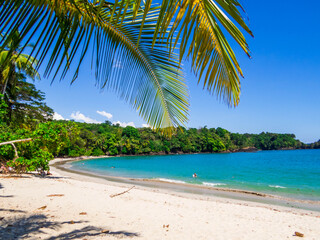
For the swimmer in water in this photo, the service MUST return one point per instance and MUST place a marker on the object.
(194, 175)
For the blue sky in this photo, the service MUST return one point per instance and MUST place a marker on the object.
(280, 91)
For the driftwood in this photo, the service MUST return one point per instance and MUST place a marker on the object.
(298, 234)
(118, 194)
(55, 195)
(14, 147)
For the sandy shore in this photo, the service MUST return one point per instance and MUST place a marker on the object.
(72, 206)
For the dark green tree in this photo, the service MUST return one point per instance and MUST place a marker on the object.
(25, 103)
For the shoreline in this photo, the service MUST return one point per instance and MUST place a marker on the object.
(227, 193)
(69, 205)
(242, 150)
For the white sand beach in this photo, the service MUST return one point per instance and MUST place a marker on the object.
(71, 206)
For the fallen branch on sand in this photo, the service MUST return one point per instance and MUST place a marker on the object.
(55, 195)
(115, 195)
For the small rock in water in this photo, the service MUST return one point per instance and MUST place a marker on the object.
(298, 234)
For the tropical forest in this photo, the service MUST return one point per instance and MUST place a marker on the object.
(25, 115)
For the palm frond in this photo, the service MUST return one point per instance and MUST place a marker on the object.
(196, 23)
(124, 56)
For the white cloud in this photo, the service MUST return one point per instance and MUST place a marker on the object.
(57, 116)
(105, 114)
(146, 125)
(123, 124)
(80, 117)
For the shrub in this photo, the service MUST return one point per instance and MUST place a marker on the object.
(97, 152)
(113, 151)
(39, 162)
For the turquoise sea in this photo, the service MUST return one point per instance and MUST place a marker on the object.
(294, 173)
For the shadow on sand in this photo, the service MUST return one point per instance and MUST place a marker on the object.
(29, 227)
(12, 210)
(48, 176)
(4, 196)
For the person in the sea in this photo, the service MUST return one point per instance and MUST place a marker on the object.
(194, 175)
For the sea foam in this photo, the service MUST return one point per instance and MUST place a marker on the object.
(170, 180)
(213, 184)
(276, 186)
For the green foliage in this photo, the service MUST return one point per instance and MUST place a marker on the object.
(130, 132)
(215, 145)
(15, 65)
(56, 136)
(68, 138)
(113, 151)
(100, 139)
(3, 109)
(33, 156)
(271, 141)
(25, 104)
(97, 152)
(315, 145)
(39, 162)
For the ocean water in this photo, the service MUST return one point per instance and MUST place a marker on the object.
(294, 174)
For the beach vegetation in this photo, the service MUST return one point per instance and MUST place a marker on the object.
(52, 138)
(3, 109)
(73, 139)
(25, 104)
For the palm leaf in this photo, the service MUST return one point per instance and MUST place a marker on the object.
(141, 71)
(196, 23)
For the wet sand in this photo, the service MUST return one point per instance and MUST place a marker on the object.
(64, 165)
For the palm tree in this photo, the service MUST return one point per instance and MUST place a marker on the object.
(13, 63)
(137, 49)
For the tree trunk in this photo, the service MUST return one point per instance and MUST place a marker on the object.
(16, 141)
(14, 147)
(5, 86)
(11, 76)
